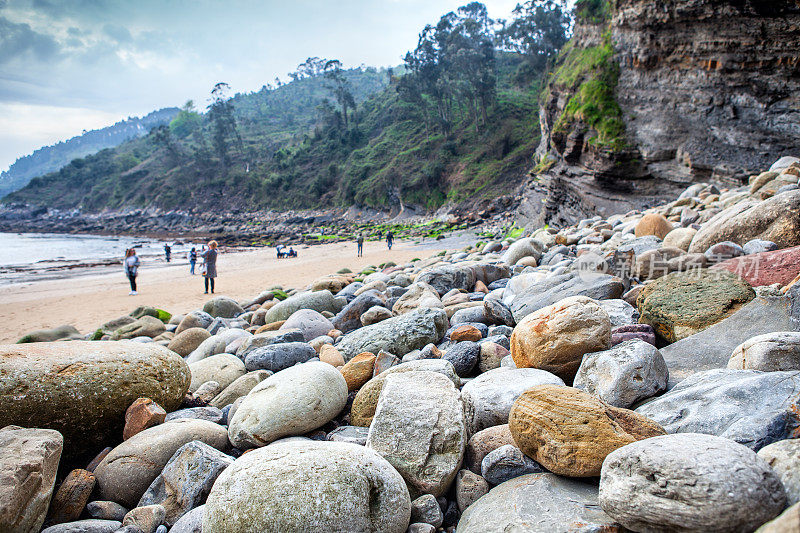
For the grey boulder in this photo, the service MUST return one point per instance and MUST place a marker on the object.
(507, 462)
(689, 482)
(277, 357)
(308, 486)
(749, 407)
(310, 323)
(627, 373)
(555, 288)
(537, 503)
(398, 335)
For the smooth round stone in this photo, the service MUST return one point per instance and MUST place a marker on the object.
(90, 525)
(310, 323)
(784, 458)
(488, 398)
(308, 486)
(223, 368)
(464, 356)
(83, 388)
(129, 469)
(507, 462)
(689, 482)
(290, 402)
(277, 357)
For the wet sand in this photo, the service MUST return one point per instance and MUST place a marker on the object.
(87, 300)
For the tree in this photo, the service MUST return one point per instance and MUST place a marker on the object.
(340, 87)
(223, 123)
(538, 30)
(186, 121)
(162, 135)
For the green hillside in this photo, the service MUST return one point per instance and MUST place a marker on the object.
(456, 120)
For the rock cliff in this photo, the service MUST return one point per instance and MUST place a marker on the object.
(651, 96)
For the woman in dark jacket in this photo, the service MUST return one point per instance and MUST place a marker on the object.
(210, 258)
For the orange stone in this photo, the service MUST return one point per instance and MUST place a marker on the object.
(466, 333)
(71, 497)
(358, 370)
(142, 414)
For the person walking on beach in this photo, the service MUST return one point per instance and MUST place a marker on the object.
(192, 259)
(360, 242)
(210, 260)
(389, 239)
(167, 251)
(131, 264)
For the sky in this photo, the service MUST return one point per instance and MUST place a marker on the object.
(70, 65)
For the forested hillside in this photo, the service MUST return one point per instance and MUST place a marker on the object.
(51, 158)
(457, 119)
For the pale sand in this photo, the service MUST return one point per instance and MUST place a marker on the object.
(86, 302)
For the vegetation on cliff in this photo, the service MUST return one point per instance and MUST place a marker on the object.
(457, 119)
(589, 75)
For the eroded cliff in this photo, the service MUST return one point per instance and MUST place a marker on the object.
(650, 96)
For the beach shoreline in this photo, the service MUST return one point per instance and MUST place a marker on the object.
(88, 297)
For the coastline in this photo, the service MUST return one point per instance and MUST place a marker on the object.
(86, 296)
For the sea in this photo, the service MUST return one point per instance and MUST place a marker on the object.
(28, 256)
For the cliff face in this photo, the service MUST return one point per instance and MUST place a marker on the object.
(707, 90)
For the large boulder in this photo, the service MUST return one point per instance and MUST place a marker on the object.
(398, 335)
(462, 276)
(653, 224)
(188, 340)
(308, 486)
(419, 295)
(186, 480)
(628, 373)
(750, 407)
(784, 459)
(349, 318)
(776, 219)
(28, 465)
(555, 288)
(290, 402)
(319, 301)
(223, 368)
(429, 451)
(765, 268)
(770, 352)
(557, 337)
(683, 303)
(488, 398)
(689, 482)
(52, 334)
(223, 307)
(127, 471)
(145, 326)
(538, 503)
(82, 389)
(570, 432)
(712, 347)
(521, 248)
(277, 357)
(366, 400)
(310, 323)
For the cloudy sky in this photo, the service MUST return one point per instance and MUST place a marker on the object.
(70, 65)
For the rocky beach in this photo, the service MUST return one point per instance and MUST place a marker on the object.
(633, 372)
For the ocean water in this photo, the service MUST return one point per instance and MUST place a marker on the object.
(27, 249)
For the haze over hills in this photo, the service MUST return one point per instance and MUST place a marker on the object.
(459, 118)
(50, 158)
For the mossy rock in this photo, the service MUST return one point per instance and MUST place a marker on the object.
(163, 316)
(279, 294)
(50, 335)
(684, 303)
(143, 310)
(344, 271)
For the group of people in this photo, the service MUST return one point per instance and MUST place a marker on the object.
(208, 267)
(360, 241)
(283, 252)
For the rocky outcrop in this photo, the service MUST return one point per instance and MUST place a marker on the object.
(706, 90)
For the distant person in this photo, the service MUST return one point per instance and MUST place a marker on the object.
(131, 264)
(291, 252)
(360, 242)
(389, 239)
(167, 251)
(279, 249)
(192, 259)
(210, 263)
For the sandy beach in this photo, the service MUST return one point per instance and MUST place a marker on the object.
(87, 300)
